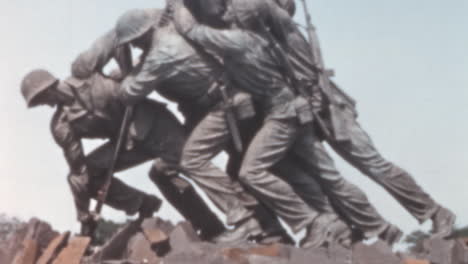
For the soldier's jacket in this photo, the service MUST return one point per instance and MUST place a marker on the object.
(249, 64)
(96, 112)
(250, 13)
(172, 67)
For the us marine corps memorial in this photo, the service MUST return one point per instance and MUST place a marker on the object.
(250, 83)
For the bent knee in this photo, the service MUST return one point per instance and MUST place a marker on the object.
(187, 163)
(248, 175)
(191, 162)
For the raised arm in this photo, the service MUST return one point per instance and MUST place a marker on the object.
(218, 41)
(99, 54)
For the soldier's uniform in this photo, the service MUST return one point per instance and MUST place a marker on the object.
(243, 56)
(178, 72)
(348, 139)
(175, 70)
(251, 65)
(154, 133)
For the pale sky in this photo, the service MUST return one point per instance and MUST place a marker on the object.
(405, 62)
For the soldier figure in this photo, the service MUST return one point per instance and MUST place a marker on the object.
(177, 72)
(249, 64)
(241, 73)
(338, 112)
(89, 108)
(349, 139)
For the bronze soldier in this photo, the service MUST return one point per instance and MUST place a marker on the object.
(173, 68)
(267, 18)
(89, 108)
(248, 64)
(348, 138)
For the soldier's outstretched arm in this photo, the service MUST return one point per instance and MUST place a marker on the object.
(218, 41)
(78, 177)
(96, 57)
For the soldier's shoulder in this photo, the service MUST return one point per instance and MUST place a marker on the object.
(76, 82)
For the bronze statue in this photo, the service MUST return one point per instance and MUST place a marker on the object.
(247, 82)
(89, 108)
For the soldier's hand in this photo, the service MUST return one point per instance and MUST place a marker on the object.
(89, 224)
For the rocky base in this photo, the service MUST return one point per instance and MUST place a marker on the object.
(158, 241)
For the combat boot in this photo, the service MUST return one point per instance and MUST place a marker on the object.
(317, 233)
(442, 222)
(326, 229)
(149, 206)
(273, 231)
(391, 235)
(279, 236)
(341, 233)
(244, 231)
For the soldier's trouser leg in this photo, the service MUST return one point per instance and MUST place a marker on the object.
(350, 200)
(165, 141)
(120, 196)
(269, 146)
(183, 197)
(208, 139)
(128, 199)
(309, 189)
(304, 183)
(266, 217)
(363, 155)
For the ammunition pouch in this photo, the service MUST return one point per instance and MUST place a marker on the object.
(341, 118)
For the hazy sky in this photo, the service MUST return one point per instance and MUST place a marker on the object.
(405, 62)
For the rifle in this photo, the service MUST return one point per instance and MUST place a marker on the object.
(295, 82)
(228, 104)
(324, 75)
(339, 123)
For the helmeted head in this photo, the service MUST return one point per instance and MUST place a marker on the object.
(135, 23)
(210, 12)
(35, 84)
(288, 5)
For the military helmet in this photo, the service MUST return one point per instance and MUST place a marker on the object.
(134, 23)
(36, 82)
(288, 5)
